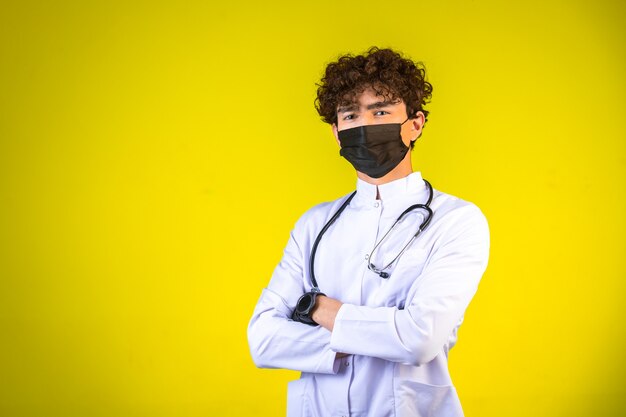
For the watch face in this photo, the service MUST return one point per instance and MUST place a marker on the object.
(304, 304)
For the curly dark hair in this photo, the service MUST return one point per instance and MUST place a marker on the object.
(386, 71)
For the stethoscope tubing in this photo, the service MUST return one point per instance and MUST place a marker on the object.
(371, 266)
(319, 238)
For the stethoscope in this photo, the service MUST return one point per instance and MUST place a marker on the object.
(380, 271)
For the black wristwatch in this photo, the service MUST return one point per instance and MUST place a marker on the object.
(304, 307)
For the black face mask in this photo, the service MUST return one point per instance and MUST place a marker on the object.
(373, 149)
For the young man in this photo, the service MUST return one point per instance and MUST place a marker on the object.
(372, 288)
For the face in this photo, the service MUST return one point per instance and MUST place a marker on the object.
(372, 109)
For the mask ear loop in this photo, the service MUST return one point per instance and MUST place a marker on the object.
(404, 123)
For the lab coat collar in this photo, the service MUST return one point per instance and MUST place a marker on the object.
(412, 183)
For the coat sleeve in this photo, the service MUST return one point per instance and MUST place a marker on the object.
(417, 333)
(275, 340)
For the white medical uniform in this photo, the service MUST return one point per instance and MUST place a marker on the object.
(397, 331)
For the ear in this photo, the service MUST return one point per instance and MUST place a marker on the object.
(336, 134)
(417, 124)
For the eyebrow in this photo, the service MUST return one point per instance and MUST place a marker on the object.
(377, 105)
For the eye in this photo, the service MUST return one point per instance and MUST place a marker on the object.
(381, 113)
(349, 117)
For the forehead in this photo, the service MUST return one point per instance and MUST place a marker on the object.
(368, 97)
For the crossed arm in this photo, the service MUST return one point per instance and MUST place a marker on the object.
(413, 335)
(325, 311)
(324, 314)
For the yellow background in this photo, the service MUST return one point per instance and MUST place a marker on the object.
(155, 155)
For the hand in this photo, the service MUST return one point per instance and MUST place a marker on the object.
(325, 311)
